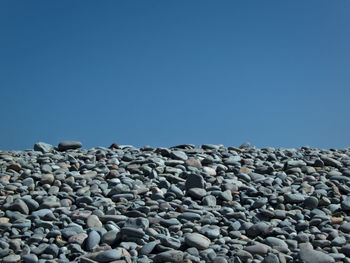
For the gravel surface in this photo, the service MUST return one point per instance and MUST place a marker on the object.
(180, 204)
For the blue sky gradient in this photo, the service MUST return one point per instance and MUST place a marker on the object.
(161, 73)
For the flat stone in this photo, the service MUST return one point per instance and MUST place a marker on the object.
(11, 259)
(132, 232)
(257, 249)
(197, 193)
(47, 179)
(30, 258)
(194, 162)
(173, 256)
(179, 155)
(210, 171)
(69, 145)
(93, 221)
(108, 256)
(78, 238)
(197, 240)
(345, 204)
(309, 255)
(294, 198)
(311, 202)
(210, 231)
(110, 237)
(276, 242)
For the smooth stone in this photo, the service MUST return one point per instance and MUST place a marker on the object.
(47, 179)
(169, 222)
(271, 258)
(69, 145)
(179, 155)
(345, 204)
(11, 259)
(172, 256)
(346, 250)
(338, 241)
(311, 202)
(244, 256)
(220, 260)
(52, 250)
(294, 198)
(275, 242)
(110, 237)
(30, 258)
(197, 193)
(189, 216)
(210, 231)
(194, 181)
(93, 221)
(108, 256)
(345, 227)
(209, 171)
(194, 162)
(197, 240)
(257, 249)
(309, 255)
(92, 240)
(132, 232)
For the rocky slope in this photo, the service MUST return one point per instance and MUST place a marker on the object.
(179, 204)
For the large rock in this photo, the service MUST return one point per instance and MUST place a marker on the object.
(69, 145)
(43, 147)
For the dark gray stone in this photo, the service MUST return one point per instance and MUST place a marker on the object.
(30, 258)
(194, 181)
(69, 145)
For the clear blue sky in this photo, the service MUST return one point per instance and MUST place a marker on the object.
(161, 73)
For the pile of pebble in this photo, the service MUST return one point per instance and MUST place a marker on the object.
(212, 203)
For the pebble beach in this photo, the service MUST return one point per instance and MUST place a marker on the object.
(187, 203)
